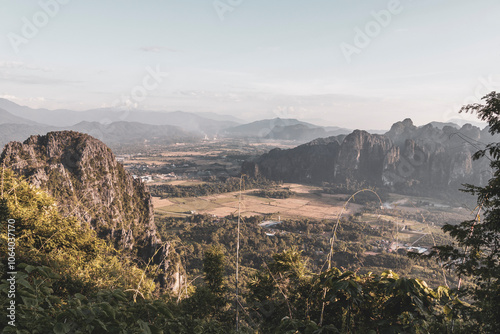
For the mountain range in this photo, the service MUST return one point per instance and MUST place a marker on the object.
(406, 159)
(116, 126)
(341, 155)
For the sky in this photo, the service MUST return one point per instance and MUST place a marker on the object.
(357, 64)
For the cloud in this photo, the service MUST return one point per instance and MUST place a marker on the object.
(32, 101)
(34, 80)
(21, 65)
(17, 98)
(9, 97)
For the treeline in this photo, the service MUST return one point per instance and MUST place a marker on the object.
(209, 188)
(274, 193)
(351, 187)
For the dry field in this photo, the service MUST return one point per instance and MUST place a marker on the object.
(305, 204)
(309, 203)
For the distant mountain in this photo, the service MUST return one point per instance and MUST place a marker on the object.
(115, 134)
(303, 133)
(335, 130)
(187, 121)
(219, 117)
(423, 160)
(262, 128)
(19, 132)
(298, 132)
(6, 118)
(283, 129)
(132, 132)
(42, 116)
(65, 118)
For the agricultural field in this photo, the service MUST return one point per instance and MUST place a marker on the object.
(306, 203)
(310, 202)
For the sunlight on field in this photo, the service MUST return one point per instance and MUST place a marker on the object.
(184, 182)
(158, 202)
(305, 204)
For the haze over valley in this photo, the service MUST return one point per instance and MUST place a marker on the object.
(249, 166)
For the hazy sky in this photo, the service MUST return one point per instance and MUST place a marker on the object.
(357, 64)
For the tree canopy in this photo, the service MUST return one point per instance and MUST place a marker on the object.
(476, 252)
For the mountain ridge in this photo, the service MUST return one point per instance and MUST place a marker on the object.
(407, 158)
(67, 118)
(9, 118)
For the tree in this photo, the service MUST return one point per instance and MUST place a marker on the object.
(477, 252)
(213, 266)
(286, 297)
(209, 302)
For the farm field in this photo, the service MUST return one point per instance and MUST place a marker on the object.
(309, 202)
(305, 204)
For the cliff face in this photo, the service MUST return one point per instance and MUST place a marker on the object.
(437, 158)
(313, 162)
(362, 157)
(88, 183)
(407, 157)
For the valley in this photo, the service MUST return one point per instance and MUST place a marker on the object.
(168, 206)
(207, 175)
(250, 167)
(211, 161)
(168, 200)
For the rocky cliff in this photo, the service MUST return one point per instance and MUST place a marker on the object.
(313, 162)
(88, 183)
(423, 159)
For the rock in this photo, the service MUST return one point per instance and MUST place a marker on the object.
(313, 162)
(362, 157)
(407, 158)
(82, 174)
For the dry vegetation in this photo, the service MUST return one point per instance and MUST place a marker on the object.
(307, 203)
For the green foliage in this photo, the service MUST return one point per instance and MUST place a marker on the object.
(70, 248)
(216, 187)
(113, 311)
(287, 297)
(477, 250)
(274, 193)
(213, 266)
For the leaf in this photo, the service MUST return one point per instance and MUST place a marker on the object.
(144, 326)
(24, 283)
(61, 328)
(30, 302)
(102, 324)
(118, 294)
(80, 297)
(29, 268)
(109, 310)
(155, 330)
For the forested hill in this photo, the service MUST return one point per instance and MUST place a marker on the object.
(89, 184)
(407, 158)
